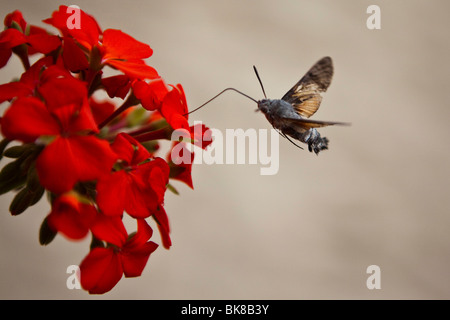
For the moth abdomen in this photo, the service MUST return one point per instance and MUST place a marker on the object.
(318, 144)
(312, 138)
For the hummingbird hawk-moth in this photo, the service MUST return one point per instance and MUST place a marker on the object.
(289, 115)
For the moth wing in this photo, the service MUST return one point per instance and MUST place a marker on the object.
(306, 124)
(306, 95)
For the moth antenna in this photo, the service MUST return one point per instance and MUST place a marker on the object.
(260, 82)
(247, 96)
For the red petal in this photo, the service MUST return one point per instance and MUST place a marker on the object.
(31, 77)
(136, 69)
(101, 110)
(128, 189)
(75, 119)
(141, 199)
(88, 33)
(26, 119)
(119, 45)
(17, 17)
(178, 121)
(134, 261)
(201, 135)
(182, 171)
(180, 89)
(124, 191)
(84, 121)
(57, 70)
(5, 54)
(117, 86)
(68, 160)
(109, 229)
(74, 58)
(143, 234)
(159, 177)
(163, 225)
(100, 270)
(129, 150)
(137, 250)
(174, 111)
(112, 193)
(63, 91)
(14, 89)
(11, 38)
(145, 188)
(43, 42)
(70, 217)
(150, 94)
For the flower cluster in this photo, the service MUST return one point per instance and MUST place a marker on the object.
(95, 161)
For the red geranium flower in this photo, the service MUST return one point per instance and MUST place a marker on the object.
(28, 82)
(73, 154)
(86, 35)
(9, 39)
(71, 217)
(103, 267)
(116, 48)
(137, 186)
(17, 17)
(18, 32)
(95, 161)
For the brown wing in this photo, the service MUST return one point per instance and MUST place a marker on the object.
(307, 124)
(306, 96)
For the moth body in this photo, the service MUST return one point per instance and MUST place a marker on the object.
(281, 113)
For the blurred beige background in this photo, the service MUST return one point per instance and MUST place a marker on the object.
(379, 196)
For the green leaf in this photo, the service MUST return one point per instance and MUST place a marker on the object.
(172, 188)
(12, 177)
(28, 195)
(20, 202)
(33, 178)
(3, 144)
(46, 234)
(24, 199)
(16, 173)
(9, 171)
(16, 151)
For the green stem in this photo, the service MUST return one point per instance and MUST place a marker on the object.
(131, 101)
(163, 133)
(22, 52)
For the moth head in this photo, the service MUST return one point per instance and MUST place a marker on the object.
(264, 105)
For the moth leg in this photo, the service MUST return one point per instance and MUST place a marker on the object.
(285, 136)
